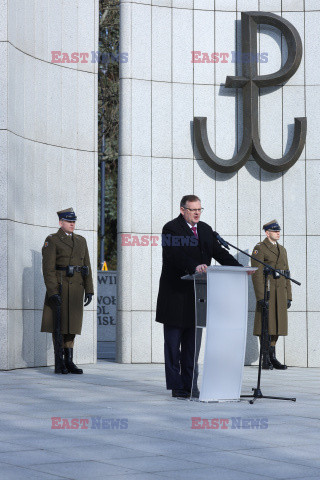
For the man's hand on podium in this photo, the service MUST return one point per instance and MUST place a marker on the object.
(201, 268)
(250, 272)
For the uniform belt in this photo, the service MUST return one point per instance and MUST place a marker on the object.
(77, 268)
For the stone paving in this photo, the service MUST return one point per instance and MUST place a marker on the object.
(145, 434)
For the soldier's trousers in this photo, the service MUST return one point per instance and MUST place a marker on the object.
(68, 340)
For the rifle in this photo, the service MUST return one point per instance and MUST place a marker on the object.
(265, 337)
(58, 342)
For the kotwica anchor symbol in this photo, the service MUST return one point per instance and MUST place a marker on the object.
(250, 82)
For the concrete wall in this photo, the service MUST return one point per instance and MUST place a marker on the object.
(48, 161)
(161, 92)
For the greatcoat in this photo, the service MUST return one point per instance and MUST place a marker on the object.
(176, 303)
(280, 288)
(62, 249)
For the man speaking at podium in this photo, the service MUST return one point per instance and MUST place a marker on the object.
(188, 246)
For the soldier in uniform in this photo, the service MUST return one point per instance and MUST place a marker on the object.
(275, 255)
(68, 279)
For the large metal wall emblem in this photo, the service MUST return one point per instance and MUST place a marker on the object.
(250, 82)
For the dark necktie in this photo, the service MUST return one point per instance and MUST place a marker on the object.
(194, 229)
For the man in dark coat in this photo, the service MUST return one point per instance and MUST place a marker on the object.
(271, 252)
(188, 246)
(68, 278)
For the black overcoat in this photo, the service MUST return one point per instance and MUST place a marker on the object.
(175, 305)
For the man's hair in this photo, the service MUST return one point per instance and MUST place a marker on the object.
(188, 198)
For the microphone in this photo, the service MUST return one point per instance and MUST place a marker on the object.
(221, 241)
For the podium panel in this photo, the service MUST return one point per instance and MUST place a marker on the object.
(221, 307)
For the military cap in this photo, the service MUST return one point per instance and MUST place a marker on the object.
(273, 225)
(67, 214)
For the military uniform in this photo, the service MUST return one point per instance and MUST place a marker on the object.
(280, 288)
(59, 251)
(274, 255)
(62, 250)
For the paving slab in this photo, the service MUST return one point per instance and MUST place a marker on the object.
(119, 422)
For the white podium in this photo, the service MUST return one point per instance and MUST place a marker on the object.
(221, 304)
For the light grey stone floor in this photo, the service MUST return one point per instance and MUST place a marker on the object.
(158, 442)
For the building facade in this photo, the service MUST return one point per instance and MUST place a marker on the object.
(162, 90)
(48, 159)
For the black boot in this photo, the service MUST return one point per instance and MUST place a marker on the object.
(59, 365)
(266, 362)
(68, 356)
(277, 365)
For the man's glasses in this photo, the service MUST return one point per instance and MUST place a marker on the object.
(200, 210)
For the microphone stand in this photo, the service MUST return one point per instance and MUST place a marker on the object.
(264, 343)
